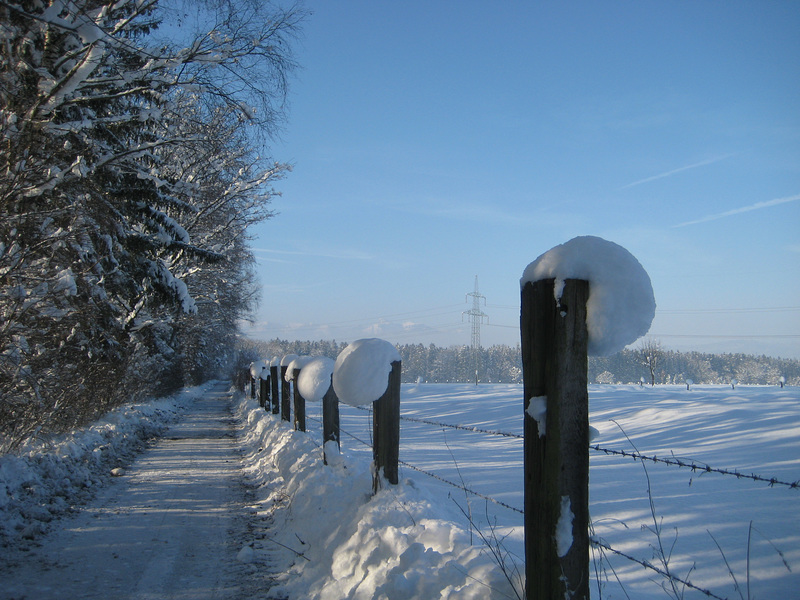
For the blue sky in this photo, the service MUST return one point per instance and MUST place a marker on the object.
(433, 142)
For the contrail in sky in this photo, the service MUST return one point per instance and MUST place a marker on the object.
(744, 209)
(673, 171)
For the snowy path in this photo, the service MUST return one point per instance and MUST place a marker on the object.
(170, 528)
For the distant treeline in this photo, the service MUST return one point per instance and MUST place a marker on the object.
(502, 364)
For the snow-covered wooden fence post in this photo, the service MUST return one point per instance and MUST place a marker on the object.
(273, 376)
(386, 430)
(253, 370)
(587, 296)
(554, 364)
(315, 384)
(263, 400)
(285, 402)
(368, 371)
(330, 422)
(299, 404)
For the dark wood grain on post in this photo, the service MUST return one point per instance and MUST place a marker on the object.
(386, 430)
(286, 403)
(554, 342)
(299, 403)
(273, 376)
(263, 393)
(330, 420)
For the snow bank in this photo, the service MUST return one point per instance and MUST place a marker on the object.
(315, 378)
(45, 479)
(333, 539)
(361, 372)
(621, 304)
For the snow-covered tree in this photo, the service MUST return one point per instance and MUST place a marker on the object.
(129, 174)
(650, 355)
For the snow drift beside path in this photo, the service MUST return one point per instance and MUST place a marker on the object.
(342, 542)
(45, 479)
(621, 304)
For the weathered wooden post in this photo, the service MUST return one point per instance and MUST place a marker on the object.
(315, 384)
(330, 421)
(263, 399)
(368, 372)
(386, 430)
(273, 376)
(285, 396)
(561, 324)
(286, 402)
(251, 371)
(556, 455)
(299, 403)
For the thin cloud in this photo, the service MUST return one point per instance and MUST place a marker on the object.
(744, 209)
(703, 163)
(343, 254)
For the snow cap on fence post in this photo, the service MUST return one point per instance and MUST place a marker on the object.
(315, 378)
(287, 360)
(361, 371)
(298, 363)
(264, 366)
(621, 303)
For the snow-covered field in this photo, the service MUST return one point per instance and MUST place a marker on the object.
(330, 538)
(415, 539)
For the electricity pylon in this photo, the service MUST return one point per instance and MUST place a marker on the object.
(476, 316)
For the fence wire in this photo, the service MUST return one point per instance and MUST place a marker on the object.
(674, 461)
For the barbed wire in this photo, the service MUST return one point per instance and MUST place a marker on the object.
(593, 540)
(461, 487)
(648, 565)
(435, 476)
(451, 426)
(675, 462)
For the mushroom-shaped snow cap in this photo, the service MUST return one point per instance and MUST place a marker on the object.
(621, 303)
(315, 378)
(361, 372)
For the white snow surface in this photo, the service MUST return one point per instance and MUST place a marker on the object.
(361, 372)
(564, 527)
(621, 303)
(44, 479)
(343, 542)
(755, 429)
(298, 362)
(537, 410)
(413, 541)
(255, 369)
(288, 359)
(315, 378)
(264, 372)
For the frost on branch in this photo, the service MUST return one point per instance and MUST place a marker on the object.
(621, 303)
